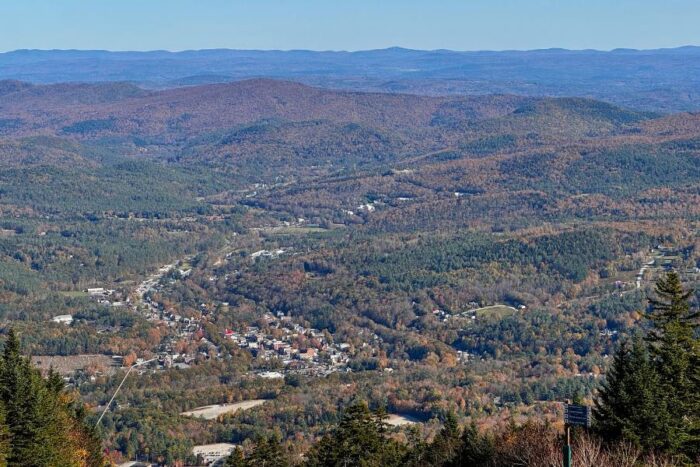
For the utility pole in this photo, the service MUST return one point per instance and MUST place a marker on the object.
(119, 387)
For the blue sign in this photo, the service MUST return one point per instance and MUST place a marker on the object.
(577, 415)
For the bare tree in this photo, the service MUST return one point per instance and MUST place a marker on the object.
(625, 454)
(588, 451)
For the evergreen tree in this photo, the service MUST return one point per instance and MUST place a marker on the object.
(19, 391)
(417, 454)
(235, 459)
(268, 453)
(43, 423)
(4, 437)
(676, 356)
(475, 449)
(359, 440)
(445, 446)
(651, 395)
(629, 405)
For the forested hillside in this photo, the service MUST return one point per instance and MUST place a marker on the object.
(270, 253)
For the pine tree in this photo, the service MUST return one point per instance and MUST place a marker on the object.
(235, 459)
(268, 453)
(676, 355)
(19, 393)
(43, 425)
(417, 454)
(444, 447)
(4, 437)
(629, 405)
(359, 440)
(652, 391)
(475, 450)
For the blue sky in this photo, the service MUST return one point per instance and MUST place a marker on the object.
(347, 25)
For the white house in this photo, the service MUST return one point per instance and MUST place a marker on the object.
(213, 452)
(271, 375)
(63, 319)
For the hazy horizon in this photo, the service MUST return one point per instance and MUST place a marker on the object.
(175, 51)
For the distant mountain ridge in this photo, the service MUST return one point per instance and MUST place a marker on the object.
(262, 129)
(665, 80)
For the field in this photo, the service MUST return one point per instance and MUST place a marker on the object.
(74, 293)
(68, 365)
(495, 311)
(212, 412)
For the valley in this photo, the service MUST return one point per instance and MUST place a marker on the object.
(269, 241)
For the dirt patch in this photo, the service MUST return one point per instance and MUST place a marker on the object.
(68, 365)
(211, 412)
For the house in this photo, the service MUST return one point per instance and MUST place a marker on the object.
(307, 354)
(271, 375)
(63, 319)
(278, 345)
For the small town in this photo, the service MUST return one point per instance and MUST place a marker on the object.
(280, 345)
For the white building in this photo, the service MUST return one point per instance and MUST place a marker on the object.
(213, 452)
(271, 375)
(63, 319)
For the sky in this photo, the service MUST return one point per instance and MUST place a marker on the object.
(347, 25)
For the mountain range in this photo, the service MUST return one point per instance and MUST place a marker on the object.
(659, 80)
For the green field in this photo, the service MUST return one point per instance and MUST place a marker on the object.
(73, 293)
(495, 311)
(292, 230)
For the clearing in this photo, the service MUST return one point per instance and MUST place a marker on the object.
(495, 311)
(400, 420)
(73, 293)
(211, 412)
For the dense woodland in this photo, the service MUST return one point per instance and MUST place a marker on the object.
(397, 217)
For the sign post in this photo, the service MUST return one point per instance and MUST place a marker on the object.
(566, 451)
(574, 415)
